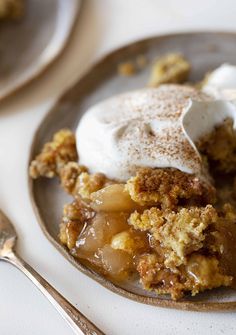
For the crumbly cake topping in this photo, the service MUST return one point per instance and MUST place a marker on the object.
(220, 156)
(179, 233)
(171, 68)
(166, 188)
(189, 249)
(54, 155)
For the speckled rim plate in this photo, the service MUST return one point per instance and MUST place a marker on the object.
(29, 45)
(205, 51)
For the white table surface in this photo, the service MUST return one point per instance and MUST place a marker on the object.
(102, 26)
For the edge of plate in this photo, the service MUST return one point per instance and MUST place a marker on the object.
(199, 306)
(44, 67)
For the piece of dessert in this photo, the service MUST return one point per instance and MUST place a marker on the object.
(131, 67)
(11, 9)
(127, 69)
(54, 155)
(146, 202)
(171, 68)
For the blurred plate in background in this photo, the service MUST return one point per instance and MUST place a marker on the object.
(29, 45)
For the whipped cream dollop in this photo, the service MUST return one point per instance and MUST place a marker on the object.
(152, 127)
(221, 83)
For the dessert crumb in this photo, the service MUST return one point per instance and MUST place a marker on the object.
(131, 67)
(141, 61)
(171, 68)
(127, 69)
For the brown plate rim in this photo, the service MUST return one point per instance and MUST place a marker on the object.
(154, 301)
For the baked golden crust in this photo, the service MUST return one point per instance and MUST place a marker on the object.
(179, 233)
(167, 187)
(154, 276)
(220, 147)
(131, 67)
(127, 69)
(204, 273)
(75, 180)
(191, 248)
(171, 68)
(54, 155)
(69, 174)
(200, 273)
(88, 183)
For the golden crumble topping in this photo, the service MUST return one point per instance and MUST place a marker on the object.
(75, 180)
(127, 69)
(200, 273)
(54, 155)
(194, 245)
(183, 233)
(88, 183)
(179, 233)
(69, 174)
(220, 147)
(155, 277)
(166, 187)
(147, 220)
(204, 273)
(171, 68)
(131, 67)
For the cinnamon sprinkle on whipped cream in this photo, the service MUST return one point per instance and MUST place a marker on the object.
(152, 127)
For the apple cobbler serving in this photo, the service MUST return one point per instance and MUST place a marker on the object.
(151, 174)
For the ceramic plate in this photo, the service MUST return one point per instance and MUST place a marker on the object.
(30, 44)
(205, 51)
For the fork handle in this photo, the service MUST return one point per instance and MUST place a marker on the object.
(78, 322)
